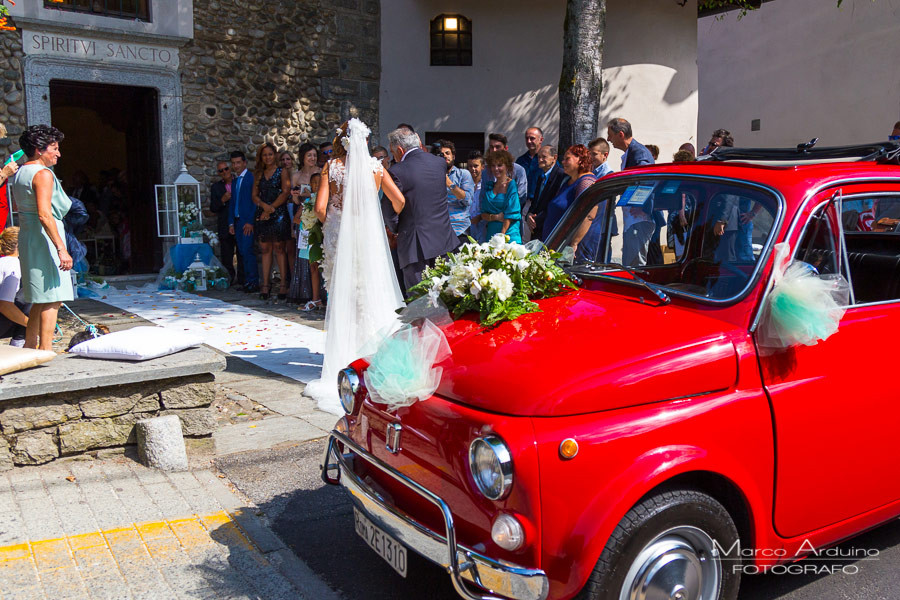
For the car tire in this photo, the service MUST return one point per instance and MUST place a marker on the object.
(665, 542)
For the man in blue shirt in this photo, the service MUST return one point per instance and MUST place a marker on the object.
(534, 138)
(638, 224)
(460, 192)
(599, 149)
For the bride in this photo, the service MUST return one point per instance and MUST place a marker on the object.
(363, 293)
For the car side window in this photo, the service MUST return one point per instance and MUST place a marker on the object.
(819, 245)
(871, 225)
(877, 214)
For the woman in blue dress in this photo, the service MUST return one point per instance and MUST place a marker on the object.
(500, 207)
(45, 261)
(576, 163)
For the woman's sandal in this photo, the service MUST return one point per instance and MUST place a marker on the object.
(282, 295)
(312, 305)
(264, 295)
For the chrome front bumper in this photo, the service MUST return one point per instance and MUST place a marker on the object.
(466, 567)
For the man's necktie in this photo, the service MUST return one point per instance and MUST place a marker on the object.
(237, 196)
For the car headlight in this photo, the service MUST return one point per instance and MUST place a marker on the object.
(491, 466)
(348, 386)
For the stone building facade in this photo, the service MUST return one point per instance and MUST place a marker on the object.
(12, 103)
(185, 84)
(290, 73)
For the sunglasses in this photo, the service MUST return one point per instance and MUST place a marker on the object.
(893, 138)
(327, 152)
(224, 170)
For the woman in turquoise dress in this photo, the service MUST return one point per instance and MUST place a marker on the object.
(500, 206)
(45, 261)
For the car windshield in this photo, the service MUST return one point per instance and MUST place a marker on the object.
(693, 236)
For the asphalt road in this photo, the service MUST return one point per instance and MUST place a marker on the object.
(316, 522)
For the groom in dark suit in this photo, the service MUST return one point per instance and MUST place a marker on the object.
(424, 230)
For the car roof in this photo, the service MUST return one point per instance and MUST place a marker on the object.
(793, 181)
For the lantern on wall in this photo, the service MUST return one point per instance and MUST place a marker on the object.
(178, 206)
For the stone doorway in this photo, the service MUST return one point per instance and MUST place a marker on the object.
(112, 141)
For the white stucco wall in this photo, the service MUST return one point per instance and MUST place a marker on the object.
(804, 68)
(649, 67)
(650, 72)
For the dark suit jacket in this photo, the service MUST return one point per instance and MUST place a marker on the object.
(424, 230)
(388, 216)
(216, 192)
(243, 205)
(547, 191)
(636, 155)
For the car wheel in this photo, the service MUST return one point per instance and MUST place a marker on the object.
(666, 547)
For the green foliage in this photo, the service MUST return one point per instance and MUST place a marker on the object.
(316, 237)
(742, 5)
(497, 280)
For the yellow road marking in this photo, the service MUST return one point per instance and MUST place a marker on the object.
(162, 540)
(14, 552)
(52, 554)
(86, 540)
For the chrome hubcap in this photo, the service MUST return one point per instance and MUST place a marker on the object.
(679, 564)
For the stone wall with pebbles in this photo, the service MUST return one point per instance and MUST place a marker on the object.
(285, 71)
(12, 92)
(34, 431)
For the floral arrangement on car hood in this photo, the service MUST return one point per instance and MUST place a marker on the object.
(498, 279)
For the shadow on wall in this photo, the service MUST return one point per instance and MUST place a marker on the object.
(681, 87)
(616, 95)
(538, 107)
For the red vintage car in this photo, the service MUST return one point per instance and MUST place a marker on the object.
(633, 440)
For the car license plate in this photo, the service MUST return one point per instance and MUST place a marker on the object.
(390, 549)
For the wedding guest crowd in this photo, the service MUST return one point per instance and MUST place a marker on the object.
(488, 193)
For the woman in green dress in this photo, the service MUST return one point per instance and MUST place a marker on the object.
(42, 204)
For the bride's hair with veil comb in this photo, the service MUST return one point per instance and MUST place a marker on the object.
(337, 145)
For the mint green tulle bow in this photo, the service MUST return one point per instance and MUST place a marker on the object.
(803, 307)
(402, 371)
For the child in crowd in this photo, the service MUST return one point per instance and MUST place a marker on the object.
(306, 281)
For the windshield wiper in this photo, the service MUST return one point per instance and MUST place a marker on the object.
(595, 268)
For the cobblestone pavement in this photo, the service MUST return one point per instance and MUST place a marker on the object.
(114, 529)
(110, 528)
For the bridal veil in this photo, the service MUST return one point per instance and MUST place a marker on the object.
(363, 294)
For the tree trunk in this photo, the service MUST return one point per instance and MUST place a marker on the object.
(581, 81)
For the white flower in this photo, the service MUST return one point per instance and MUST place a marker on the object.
(519, 251)
(497, 242)
(500, 282)
(522, 265)
(308, 217)
(345, 142)
(475, 288)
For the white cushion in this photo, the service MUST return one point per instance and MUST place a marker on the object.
(14, 359)
(138, 343)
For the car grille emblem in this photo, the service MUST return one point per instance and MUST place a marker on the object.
(392, 437)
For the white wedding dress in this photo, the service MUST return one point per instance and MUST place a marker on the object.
(363, 293)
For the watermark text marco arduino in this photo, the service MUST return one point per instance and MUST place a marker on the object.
(811, 565)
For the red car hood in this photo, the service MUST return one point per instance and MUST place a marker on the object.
(586, 352)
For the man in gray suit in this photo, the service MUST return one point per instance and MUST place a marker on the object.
(423, 231)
